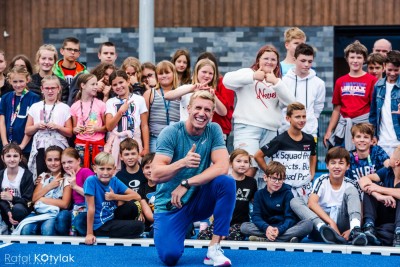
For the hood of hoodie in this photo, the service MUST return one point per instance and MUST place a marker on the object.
(291, 74)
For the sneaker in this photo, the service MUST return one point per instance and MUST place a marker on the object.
(330, 236)
(357, 237)
(396, 240)
(257, 238)
(294, 240)
(215, 257)
(369, 231)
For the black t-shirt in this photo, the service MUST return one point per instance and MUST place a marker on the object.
(245, 191)
(294, 155)
(135, 181)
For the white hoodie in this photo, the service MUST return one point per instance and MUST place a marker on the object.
(310, 91)
(258, 103)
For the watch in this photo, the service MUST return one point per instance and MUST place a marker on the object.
(185, 183)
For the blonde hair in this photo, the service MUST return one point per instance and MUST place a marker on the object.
(167, 67)
(53, 78)
(200, 64)
(203, 94)
(294, 33)
(103, 159)
(18, 70)
(48, 47)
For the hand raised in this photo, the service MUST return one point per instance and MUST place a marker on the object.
(259, 75)
(271, 78)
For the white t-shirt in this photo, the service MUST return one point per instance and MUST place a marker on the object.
(184, 103)
(387, 136)
(137, 107)
(59, 115)
(14, 185)
(329, 198)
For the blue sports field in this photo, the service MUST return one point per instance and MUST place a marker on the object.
(70, 251)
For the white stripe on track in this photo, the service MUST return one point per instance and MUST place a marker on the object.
(5, 245)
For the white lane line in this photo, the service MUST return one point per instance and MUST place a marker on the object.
(5, 245)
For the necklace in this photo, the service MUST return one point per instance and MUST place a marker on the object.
(131, 123)
(47, 120)
(15, 113)
(90, 111)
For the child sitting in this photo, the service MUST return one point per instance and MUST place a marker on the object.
(334, 205)
(366, 158)
(103, 192)
(272, 218)
(381, 203)
(246, 187)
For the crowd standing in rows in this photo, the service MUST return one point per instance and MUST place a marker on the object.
(119, 151)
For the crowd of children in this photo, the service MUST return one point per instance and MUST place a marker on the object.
(77, 147)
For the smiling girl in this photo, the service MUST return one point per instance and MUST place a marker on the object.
(14, 110)
(162, 112)
(204, 78)
(49, 122)
(52, 197)
(16, 187)
(260, 96)
(88, 119)
(126, 116)
(46, 56)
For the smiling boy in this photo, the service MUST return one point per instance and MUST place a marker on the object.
(295, 150)
(385, 107)
(334, 205)
(366, 158)
(351, 98)
(272, 218)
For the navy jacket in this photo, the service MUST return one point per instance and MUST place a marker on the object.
(273, 209)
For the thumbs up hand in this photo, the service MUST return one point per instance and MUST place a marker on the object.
(271, 78)
(192, 159)
(259, 75)
(110, 195)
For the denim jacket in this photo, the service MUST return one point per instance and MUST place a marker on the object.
(378, 99)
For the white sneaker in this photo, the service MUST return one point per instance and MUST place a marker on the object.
(215, 256)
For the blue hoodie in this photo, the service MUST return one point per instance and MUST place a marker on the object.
(273, 209)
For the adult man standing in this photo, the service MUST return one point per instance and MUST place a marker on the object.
(190, 168)
(382, 46)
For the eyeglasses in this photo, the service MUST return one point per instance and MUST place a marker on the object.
(276, 179)
(131, 73)
(72, 50)
(50, 88)
(148, 76)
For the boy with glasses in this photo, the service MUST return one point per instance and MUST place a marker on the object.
(272, 218)
(334, 205)
(68, 67)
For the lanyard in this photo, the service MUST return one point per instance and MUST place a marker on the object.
(357, 159)
(44, 112)
(131, 123)
(166, 105)
(15, 113)
(90, 111)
